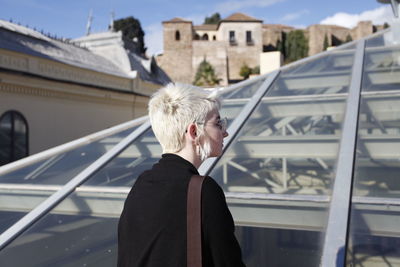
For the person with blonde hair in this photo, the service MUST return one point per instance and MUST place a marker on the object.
(152, 227)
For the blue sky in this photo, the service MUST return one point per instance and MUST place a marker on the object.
(69, 18)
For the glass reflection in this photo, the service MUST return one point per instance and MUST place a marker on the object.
(279, 247)
(24, 189)
(287, 149)
(102, 196)
(375, 215)
(289, 143)
(130, 163)
(242, 92)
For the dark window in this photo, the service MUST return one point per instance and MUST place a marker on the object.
(177, 35)
(214, 38)
(249, 39)
(13, 137)
(197, 37)
(232, 39)
(205, 37)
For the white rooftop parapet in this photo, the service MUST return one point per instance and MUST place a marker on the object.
(270, 61)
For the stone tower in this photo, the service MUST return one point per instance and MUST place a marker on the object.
(178, 50)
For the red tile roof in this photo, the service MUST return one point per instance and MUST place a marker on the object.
(240, 17)
(177, 20)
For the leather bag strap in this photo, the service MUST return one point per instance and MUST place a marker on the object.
(194, 221)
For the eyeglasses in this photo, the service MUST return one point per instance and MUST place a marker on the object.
(221, 123)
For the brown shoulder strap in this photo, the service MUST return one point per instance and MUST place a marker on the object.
(194, 221)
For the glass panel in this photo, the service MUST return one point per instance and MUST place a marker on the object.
(5, 139)
(241, 92)
(277, 173)
(234, 100)
(82, 230)
(374, 237)
(24, 189)
(381, 67)
(272, 247)
(130, 163)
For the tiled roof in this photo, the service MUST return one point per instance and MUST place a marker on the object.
(177, 20)
(240, 17)
(24, 40)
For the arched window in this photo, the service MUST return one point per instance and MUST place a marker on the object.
(205, 37)
(177, 35)
(13, 137)
(197, 37)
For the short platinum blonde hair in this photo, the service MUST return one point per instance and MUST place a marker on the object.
(173, 108)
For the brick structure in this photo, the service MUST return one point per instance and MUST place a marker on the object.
(237, 40)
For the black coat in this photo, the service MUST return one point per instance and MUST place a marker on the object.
(152, 227)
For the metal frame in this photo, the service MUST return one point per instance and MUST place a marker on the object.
(241, 84)
(240, 119)
(335, 243)
(38, 212)
(69, 146)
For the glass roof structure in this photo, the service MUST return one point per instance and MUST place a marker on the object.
(310, 170)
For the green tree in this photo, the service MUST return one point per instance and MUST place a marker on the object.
(245, 71)
(280, 46)
(213, 19)
(296, 46)
(326, 43)
(348, 38)
(386, 25)
(205, 75)
(255, 70)
(132, 30)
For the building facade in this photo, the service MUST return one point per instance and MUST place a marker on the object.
(236, 41)
(54, 91)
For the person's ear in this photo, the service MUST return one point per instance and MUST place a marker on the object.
(192, 131)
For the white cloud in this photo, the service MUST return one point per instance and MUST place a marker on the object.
(378, 16)
(294, 16)
(231, 6)
(154, 38)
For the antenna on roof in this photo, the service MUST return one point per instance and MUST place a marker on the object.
(111, 27)
(89, 23)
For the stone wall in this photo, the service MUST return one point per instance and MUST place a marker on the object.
(177, 58)
(363, 29)
(272, 34)
(241, 52)
(215, 53)
(181, 58)
(316, 35)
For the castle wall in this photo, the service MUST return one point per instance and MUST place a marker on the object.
(272, 34)
(363, 29)
(177, 58)
(215, 53)
(316, 35)
(241, 52)
(181, 58)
